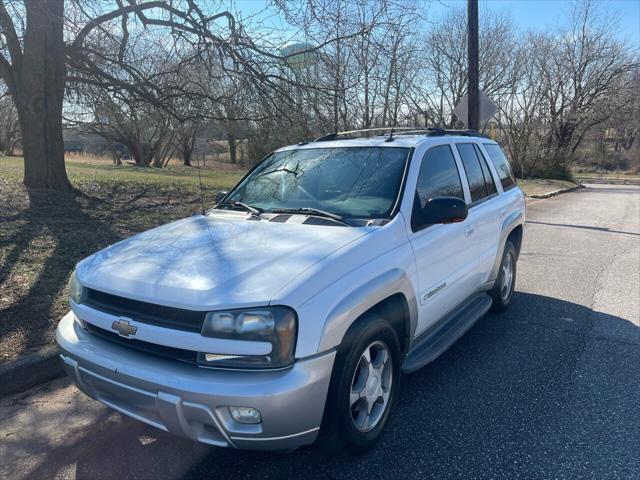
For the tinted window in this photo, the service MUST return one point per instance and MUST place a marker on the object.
(475, 175)
(488, 179)
(438, 177)
(502, 165)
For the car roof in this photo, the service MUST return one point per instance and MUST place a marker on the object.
(398, 141)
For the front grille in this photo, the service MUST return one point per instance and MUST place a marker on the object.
(159, 315)
(146, 347)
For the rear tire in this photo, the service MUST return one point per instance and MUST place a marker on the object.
(364, 387)
(502, 291)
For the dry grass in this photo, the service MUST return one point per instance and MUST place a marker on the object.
(540, 186)
(619, 175)
(44, 234)
(219, 162)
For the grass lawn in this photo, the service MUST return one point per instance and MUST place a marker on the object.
(43, 234)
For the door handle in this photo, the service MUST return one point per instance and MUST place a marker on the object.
(468, 231)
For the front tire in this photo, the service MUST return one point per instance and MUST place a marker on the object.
(364, 386)
(502, 291)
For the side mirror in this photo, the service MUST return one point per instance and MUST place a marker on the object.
(444, 210)
(220, 196)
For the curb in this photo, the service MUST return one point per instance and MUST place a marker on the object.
(556, 192)
(30, 370)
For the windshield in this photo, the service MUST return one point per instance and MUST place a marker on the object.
(353, 182)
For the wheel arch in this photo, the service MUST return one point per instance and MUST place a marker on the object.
(512, 229)
(515, 236)
(390, 295)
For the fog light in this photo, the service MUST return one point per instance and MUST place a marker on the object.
(245, 414)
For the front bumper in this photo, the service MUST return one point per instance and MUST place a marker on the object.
(192, 401)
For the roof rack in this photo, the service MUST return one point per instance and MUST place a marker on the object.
(380, 131)
(361, 133)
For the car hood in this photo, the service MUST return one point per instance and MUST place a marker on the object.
(220, 260)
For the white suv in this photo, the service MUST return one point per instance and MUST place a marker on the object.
(293, 306)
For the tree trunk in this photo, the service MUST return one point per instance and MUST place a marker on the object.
(233, 148)
(136, 151)
(187, 146)
(39, 94)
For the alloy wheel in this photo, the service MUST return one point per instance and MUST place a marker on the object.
(507, 277)
(371, 386)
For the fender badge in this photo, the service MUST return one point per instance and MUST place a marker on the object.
(124, 328)
(431, 293)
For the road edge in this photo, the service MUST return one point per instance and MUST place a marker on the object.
(557, 192)
(30, 370)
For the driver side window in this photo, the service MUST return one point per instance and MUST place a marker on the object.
(438, 177)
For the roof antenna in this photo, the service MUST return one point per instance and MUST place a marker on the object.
(200, 183)
(390, 138)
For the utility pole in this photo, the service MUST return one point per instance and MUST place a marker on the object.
(474, 69)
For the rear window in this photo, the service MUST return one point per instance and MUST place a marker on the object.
(501, 163)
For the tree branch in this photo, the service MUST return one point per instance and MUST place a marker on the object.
(6, 73)
(9, 31)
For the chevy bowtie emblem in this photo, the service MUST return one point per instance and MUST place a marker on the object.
(124, 328)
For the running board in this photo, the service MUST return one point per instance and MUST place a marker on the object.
(440, 336)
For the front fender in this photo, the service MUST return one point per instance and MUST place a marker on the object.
(363, 298)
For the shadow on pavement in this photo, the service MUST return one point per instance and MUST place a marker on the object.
(531, 393)
(586, 227)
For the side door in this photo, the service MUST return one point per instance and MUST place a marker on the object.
(440, 250)
(482, 229)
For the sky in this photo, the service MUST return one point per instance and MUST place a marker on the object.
(538, 14)
(527, 14)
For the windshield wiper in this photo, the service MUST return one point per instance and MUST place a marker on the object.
(314, 212)
(256, 212)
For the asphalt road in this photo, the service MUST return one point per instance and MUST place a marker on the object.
(549, 389)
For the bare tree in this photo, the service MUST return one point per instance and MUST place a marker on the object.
(185, 143)
(624, 123)
(44, 47)
(9, 126)
(582, 68)
(520, 107)
(443, 80)
(145, 130)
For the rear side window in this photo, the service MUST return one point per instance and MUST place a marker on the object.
(488, 178)
(501, 163)
(480, 182)
(438, 175)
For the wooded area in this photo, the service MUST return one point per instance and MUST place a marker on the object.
(155, 75)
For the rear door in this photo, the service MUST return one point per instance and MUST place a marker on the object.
(482, 227)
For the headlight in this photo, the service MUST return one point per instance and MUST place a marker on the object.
(75, 289)
(276, 325)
